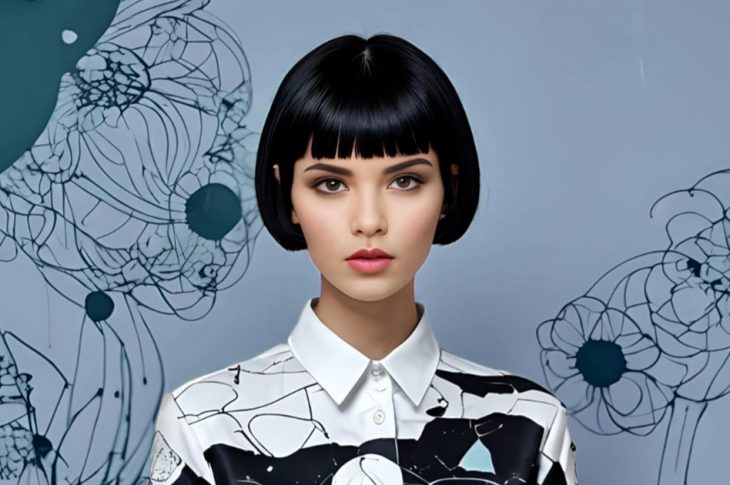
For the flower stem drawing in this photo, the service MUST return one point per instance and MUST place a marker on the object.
(684, 419)
(651, 337)
(137, 199)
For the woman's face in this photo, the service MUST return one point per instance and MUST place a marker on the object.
(391, 203)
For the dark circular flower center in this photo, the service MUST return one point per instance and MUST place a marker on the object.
(212, 211)
(99, 306)
(601, 362)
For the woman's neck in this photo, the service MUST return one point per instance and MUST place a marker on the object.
(374, 328)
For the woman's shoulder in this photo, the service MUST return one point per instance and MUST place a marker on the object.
(258, 376)
(481, 379)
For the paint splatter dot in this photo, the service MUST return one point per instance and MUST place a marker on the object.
(99, 306)
(212, 211)
(42, 445)
(69, 36)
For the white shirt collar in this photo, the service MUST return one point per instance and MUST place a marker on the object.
(337, 366)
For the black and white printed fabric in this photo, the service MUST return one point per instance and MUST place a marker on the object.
(314, 410)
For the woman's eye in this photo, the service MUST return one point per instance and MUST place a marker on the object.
(329, 184)
(403, 182)
(408, 178)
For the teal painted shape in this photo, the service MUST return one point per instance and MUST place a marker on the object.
(99, 306)
(478, 458)
(212, 211)
(39, 41)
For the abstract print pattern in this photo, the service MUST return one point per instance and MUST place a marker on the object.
(650, 340)
(136, 199)
(267, 421)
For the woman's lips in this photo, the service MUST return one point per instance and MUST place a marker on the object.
(369, 265)
(370, 253)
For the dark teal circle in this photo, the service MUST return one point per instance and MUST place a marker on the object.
(601, 362)
(213, 211)
(99, 306)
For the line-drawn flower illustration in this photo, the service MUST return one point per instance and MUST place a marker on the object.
(145, 170)
(136, 199)
(597, 359)
(651, 337)
(74, 425)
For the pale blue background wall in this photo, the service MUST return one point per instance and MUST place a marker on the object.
(584, 114)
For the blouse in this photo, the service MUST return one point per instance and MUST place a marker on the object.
(314, 410)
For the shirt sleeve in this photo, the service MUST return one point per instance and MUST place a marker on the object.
(177, 457)
(557, 455)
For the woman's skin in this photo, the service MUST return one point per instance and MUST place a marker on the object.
(375, 312)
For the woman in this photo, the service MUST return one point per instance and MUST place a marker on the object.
(366, 159)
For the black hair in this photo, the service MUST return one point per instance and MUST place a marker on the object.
(377, 95)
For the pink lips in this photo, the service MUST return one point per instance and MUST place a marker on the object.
(369, 265)
(369, 253)
(369, 260)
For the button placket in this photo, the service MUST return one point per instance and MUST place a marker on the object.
(380, 382)
(379, 378)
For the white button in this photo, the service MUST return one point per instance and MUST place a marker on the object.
(377, 370)
(379, 416)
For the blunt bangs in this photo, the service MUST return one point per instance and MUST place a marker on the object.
(377, 97)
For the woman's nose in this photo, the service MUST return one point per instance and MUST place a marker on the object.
(368, 216)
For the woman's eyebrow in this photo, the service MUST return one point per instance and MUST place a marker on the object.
(388, 170)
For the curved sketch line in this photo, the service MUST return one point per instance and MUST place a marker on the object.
(138, 197)
(651, 337)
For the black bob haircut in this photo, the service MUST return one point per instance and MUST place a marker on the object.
(379, 96)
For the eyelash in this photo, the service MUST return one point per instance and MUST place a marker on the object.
(418, 181)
